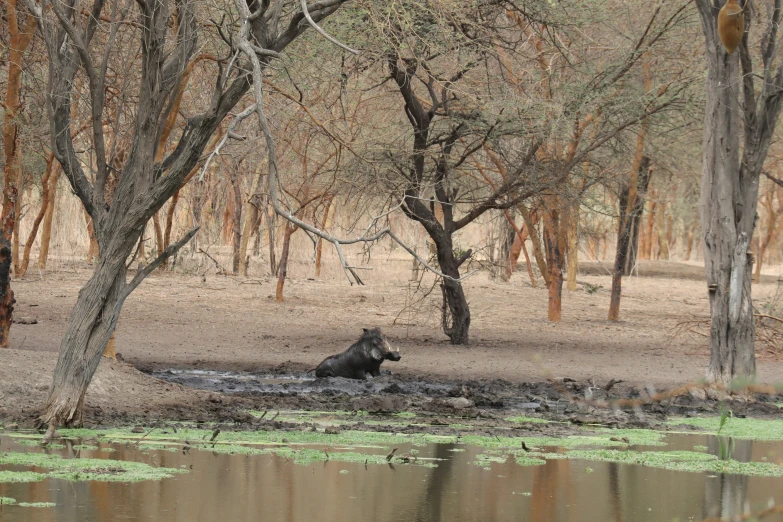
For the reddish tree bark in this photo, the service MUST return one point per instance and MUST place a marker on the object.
(18, 41)
(46, 232)
(45, 195)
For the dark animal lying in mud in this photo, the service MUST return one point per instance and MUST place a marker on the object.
(362, 358)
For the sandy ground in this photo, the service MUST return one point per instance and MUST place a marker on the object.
(230, 323)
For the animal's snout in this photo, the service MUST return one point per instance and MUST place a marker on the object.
(392, 354)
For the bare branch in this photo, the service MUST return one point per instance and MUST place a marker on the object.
(144, 271)
(323, 33)
(773, 179)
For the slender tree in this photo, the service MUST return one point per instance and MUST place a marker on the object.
(144, 185)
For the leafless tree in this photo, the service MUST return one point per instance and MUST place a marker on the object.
(81, 41)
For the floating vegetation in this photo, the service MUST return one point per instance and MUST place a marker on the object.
(232, 449)
(690, 461)
(753, 429)
(700, 447)
(524, 460)
(636, 437)
(485, 459)
(37, 504)
(6, 501)
(28, 442)
(86, 447)
(147, 446)
(88, 469)
(344, 472)
(20, 476)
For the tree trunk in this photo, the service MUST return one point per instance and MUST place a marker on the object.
(630, 214)
(765, 235)
(172, 208)
(228, 220)
(271, 232)
(455, 312)
(538, 251)
(46, 232)
(90, 327)
(236, 222)
(6, 294)
(572, 236)
(159, 247)
(646, 251)
(92, 251)
(520, 236)
(197, 207)
(324, 225)
(636, 212)
(660, 224)
(252, 217)
(729, 192)
(554, 260)
(18, 40)
(689, 242)
(282, 270)
(45, 195)
(18, 213)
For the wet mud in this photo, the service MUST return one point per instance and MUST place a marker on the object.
(440, 405)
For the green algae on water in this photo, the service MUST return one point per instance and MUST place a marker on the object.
(20, 476)
(37, 504)
(88, 469)
(233, 449)
(689, 461)
(86, 447)
(7, 501)
(636, 437)
(753, 429)
(524, 460)
(485, 459)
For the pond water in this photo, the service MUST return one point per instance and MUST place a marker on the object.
(227, 488)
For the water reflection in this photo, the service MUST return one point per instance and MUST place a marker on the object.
(238, 488)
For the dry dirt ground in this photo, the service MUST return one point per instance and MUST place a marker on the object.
(229, 323)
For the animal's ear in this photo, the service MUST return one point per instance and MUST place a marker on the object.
(376, 354)
(365, 330)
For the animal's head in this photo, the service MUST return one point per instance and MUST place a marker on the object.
(380, 348)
